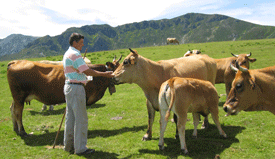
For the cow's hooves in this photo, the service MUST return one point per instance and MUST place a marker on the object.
(146, 138)
(177, 137)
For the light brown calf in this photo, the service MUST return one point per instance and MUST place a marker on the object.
(187, 95)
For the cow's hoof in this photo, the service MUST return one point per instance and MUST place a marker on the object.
(224, 136)
(177, 137)
(146, 137)
(184, 151)
(205, 126)
(194, 136)
(161, 147)
(51, 108)
(23, 134)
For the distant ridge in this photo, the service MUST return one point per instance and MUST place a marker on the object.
(14, 43)
(188, 28)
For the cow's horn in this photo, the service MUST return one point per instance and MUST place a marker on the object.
(248, 55)
(119, 59)
(234, 55)
(132, 51)
(114, 58)
(241, 68)
(233, 68)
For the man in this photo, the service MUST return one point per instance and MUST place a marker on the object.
(76, 72)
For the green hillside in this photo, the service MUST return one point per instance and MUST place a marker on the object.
(189, 28)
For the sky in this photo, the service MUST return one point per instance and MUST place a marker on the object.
(53, 17)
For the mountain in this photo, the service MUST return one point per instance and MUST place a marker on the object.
(14, 43)
(188, 28)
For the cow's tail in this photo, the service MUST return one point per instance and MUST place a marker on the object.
(172, 90)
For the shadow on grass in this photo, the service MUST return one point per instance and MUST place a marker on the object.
(207, 145)
(61, 111)
(48, 138)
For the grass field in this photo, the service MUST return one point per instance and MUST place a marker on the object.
(250, 134)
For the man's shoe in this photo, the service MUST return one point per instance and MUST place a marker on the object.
(87, 152)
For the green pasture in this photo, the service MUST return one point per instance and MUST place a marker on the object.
(118, 122)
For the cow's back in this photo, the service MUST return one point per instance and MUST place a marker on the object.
(202, 94)
(31, 80)
(192, 67)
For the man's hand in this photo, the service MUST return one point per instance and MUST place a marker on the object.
(109, 74)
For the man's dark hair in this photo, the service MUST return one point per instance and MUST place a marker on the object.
(75, 37)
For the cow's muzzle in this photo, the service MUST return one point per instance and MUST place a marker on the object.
(229, 110)
(115, 81)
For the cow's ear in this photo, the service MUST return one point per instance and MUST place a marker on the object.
(132, 60)
(252, 60)
(108, 64)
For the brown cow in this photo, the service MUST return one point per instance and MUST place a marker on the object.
(252, 90)
(224, 72)
(149, 75)
(187, 95)
(44, 82)
(172, 40)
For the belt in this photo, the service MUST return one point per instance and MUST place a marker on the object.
(76, 83)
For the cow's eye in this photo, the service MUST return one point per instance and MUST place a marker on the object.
(239, 87)
(126, 62)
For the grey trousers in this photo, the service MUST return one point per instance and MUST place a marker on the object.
(76, 122)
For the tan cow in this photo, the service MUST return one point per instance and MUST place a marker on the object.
(252, 90)
(224, 72)
(172, 40)
(44, 82)
(149, 75)
(187, 95)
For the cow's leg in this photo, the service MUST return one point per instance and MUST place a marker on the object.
(196, 119)
(163, 124)
(181, 126)
(214, 113)
(16, 112)
(151, 116)
(177, 131)
(15, 126)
